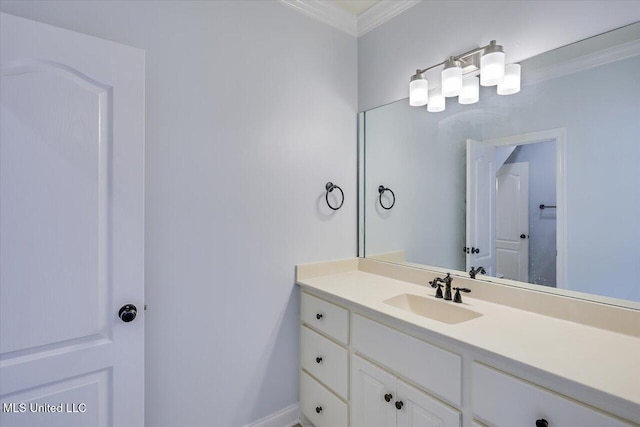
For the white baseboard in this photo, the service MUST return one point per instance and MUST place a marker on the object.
(287, 417)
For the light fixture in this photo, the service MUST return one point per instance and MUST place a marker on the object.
(462, 75)
(492, 65)
(437, 101)
(418, 90)
(451, 78)
(470, 93)
(511, 82)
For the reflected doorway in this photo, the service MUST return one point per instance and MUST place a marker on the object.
(515, 200)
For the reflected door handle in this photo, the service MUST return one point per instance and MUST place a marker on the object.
(475, 250)
(127, 313)
(524, 236)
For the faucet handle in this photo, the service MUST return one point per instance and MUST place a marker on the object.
(435, 284)
(457, 297)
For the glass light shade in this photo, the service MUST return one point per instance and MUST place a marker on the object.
(492, 67)
(451, 80)
(470, 92)
(437, 101)
(510, 84)
(418, 91)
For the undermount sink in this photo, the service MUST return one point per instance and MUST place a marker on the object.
(442, 311)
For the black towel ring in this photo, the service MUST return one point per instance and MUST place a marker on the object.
(330, 187)
(381, 190)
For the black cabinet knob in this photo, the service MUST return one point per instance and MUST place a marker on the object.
(319, 316)
(388, 397)
(318, 359)
(127, 313)
(318, 409)
(542, 423)
(399, 405)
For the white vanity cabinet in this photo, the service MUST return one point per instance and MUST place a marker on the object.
(382, 400)
(361, 369)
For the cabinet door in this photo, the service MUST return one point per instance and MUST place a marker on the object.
(421, 410)
(371, 384)
(502, 400)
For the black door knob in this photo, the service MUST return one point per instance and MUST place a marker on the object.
(127, 312)
(388, 397)
(542, 423)
(399, 404)
(318, 409)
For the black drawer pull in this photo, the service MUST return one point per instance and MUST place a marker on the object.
(318, 359)
(542, 423)
(319, 316)
(318, 409)
(399, 405)
(388, 397)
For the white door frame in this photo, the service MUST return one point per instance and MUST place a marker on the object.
(559, 136)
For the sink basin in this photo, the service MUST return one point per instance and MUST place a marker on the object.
(446, 312)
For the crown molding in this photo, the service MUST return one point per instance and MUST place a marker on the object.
(330, 14)
(381, 13)
(327, 13)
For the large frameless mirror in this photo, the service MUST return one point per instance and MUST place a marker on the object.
(541, 188)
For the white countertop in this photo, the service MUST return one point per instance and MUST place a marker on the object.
(595, 358)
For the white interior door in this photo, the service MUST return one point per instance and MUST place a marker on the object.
(512, 221)
(71, 228)
(481, 193)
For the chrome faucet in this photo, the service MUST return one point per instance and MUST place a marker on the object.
(435, 283)
(473, 272)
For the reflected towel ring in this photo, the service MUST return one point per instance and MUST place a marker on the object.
(381, 190)
(330, 187)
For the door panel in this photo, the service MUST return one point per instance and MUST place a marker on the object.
(370, 384)
(71, 226)
(422, 410)
(512, 221)
(54, 218)
(73, 397)
(481, 175)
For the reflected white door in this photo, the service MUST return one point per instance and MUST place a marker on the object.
(481, 193)
(512, 221)
(71, 228)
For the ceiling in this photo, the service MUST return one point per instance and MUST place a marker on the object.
(357, 7)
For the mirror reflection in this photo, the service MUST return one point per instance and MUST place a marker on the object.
(541, 187)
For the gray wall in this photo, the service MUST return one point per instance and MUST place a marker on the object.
(433, 30)
(250, 110)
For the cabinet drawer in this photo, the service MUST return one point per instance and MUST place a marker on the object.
(320, 406)
(326, 361)
(502, 400)
(432, 368)
(325, 317)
